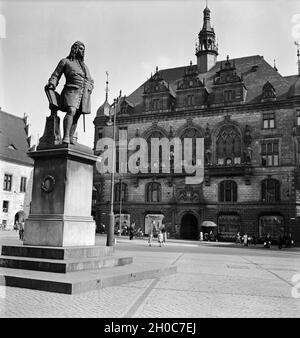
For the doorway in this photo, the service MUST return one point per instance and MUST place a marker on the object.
(189, 227)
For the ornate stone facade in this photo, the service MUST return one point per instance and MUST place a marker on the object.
(249, 117)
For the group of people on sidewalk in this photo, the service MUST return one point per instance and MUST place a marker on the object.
(245, 239)
(161, 238)
(282, 240)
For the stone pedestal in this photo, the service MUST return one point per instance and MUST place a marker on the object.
(60, 212)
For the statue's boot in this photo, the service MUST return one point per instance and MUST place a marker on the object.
(72, 131)
(68, 121)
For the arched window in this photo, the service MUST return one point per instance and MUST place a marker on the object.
(121, 191)
(157, 163)
(228, 146)
(270, 190)
(227, 191)
(153, 192)
(190, 133)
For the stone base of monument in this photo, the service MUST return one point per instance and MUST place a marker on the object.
(59, 252)
(61, 197)
(71, 270)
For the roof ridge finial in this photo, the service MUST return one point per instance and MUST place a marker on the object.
(298, 56)
(275, 65)
(106, 88)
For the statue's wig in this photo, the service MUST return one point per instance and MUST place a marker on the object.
(74, 50)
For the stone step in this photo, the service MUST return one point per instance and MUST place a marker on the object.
(62, 266)
(57, 252)
(83, 281)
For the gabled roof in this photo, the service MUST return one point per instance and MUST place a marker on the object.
(13, 139)
(254, 70)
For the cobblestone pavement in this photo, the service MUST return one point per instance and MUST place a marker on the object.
(238, 283)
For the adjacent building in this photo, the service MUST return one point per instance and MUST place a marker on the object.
(15, 169)
(249, 117)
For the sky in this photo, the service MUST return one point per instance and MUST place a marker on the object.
(128, 39)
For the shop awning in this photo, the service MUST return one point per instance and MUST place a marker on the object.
(208, 224)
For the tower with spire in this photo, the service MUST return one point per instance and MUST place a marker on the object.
(206, 49)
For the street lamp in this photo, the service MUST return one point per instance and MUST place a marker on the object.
(120, 195)
(110, 241)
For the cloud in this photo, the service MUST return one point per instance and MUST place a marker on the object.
(296, 26)
(162, 62)
(2, 27)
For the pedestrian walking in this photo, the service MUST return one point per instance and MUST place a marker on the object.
(164, 233)
(289, 241)
(150, 239)
(21, 231)
(131, 233)
(238, 238)
(245, 237)
(160, 238)
(267, 242)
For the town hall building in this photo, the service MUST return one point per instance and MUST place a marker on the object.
(249, 117)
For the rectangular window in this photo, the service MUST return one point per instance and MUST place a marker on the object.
(155, 104)
(23, 184)
(5, 206)
(4, 223)
(7, 182)
(190, 100)
(269, 121)
(229, 95)
(298, 120)
(270, 153)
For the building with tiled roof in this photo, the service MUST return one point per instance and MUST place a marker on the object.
(249, 117)
(15, 169)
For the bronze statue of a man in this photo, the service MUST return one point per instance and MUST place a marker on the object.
(75, 96)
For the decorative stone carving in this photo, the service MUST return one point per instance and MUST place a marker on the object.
(207, 137)
(207, 145)
(188, 195)
(48, 184)
(190, 79)
(247, 136)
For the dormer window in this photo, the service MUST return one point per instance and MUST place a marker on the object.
(155, 104)
(229, 95)
(268, 92)
(190, 100)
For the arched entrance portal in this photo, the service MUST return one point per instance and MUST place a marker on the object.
(189, 227)
(19, 217)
